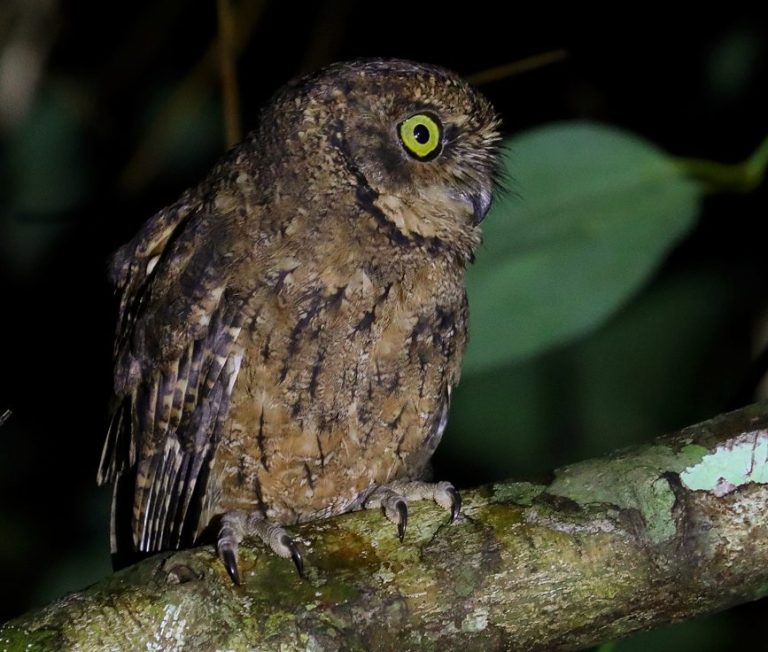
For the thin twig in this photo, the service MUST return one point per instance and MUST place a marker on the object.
(517, 67)
(191, 91)
(228, 70)
(327, 33)
(4, 417)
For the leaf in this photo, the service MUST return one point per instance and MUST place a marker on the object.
(674, 355)
(45, 158)
(47, 179)
(593, 212)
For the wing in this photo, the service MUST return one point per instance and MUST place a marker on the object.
(176, 362)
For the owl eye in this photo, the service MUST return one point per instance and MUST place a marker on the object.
(421, 135)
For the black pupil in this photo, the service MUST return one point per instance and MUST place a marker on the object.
(421, 134)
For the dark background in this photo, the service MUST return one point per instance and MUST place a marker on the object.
(126, 113)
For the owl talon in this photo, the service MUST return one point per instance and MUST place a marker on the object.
(446, 495)
(393, 499)
(402, 519)
(298, 560)
(236, 525)
(230, 536)
(455, 503)
(230, 562)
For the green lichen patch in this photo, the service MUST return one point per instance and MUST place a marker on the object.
(658, 503)
(737, 462)
(762, 591)
(343, 549)
(693, 452)
(632, 479)
(475, 621)
(275, 580)
(465, 581)
(519, 493)
(14, 638)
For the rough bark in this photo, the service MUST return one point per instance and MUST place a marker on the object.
(643, 537)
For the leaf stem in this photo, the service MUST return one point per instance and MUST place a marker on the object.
(717, 177)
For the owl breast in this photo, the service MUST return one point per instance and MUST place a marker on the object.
(344, 384)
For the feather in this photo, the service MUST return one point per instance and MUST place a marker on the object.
(176, 337)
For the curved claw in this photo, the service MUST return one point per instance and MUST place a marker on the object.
(230, 562)
(455, 504)
(298, 560)
(402, 519)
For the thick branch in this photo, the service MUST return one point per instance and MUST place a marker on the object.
(643, 537)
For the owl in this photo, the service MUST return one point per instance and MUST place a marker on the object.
(290, 330)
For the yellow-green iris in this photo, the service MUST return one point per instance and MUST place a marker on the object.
(421, 135)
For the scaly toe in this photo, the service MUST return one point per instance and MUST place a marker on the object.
(284, 546)
(455, 504)
(448, 498)
(402, 519)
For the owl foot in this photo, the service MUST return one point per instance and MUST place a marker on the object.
(236, 526)
(393, 499)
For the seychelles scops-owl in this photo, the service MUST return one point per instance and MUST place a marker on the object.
(290, 329)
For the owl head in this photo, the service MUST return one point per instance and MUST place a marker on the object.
(416, 143)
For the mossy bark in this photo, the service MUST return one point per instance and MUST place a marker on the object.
(643, 537)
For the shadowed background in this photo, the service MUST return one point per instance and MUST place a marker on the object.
(109, 110)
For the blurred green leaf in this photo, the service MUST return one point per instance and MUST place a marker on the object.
(47, 179)
(666, 360)
(46, 158)
(701, 635)
(181, 133)
(733, 61)
(663, 361)
(598, 208)
(83, 564)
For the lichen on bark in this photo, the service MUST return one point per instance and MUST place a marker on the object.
(611, 546)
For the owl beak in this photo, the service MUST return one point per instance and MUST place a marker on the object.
(481, 202)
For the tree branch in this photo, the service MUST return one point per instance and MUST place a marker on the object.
(643, 537)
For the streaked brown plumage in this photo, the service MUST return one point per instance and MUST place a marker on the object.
(290, 329)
